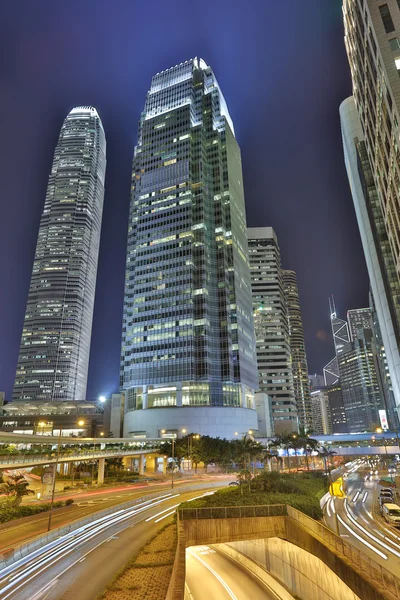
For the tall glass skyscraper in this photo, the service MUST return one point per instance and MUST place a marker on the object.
(370, 127)
(272, 328)
(301, 383)
(55, 345)
(188, 348)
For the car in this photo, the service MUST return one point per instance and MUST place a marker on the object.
(383, 501)
(234, 483)
(391, 514)
(385, 495)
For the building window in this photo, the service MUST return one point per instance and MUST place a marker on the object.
(394, 43)
(386, 18)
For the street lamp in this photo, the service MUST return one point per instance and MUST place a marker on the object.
(81, 422)
(102, 399)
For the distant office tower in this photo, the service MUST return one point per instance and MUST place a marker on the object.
(188, 350)
(321, 412)
(370, 138)
(338, 413)
(301, 384)
(55, 345)
(358, 377)
(272, 327)
(341, 341)
(316, 381)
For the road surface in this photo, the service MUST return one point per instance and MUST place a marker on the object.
(353, 518)
(79, 565)
(14, 533)
(211, 575)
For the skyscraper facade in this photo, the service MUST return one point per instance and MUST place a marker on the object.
(55, 345)
(357, 374)
(301, 383)
(370, 126)
(188, 334)
(272, 328)
(321, 412)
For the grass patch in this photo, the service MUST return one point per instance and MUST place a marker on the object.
(302, 491)
(146, 575)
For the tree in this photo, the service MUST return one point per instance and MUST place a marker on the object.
(326, 453)
(308, 443)
(246, 449)
(16, 487)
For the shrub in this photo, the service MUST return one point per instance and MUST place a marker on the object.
(69, 502)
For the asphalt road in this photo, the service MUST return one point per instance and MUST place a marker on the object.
(78, 566)
(353, 518)
(213, 576)
(13, 534)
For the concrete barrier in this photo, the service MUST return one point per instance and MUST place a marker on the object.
(43, 539)
(365, 578)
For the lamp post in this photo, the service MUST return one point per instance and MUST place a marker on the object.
(81, 422)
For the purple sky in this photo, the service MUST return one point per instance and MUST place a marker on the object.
(283, 70)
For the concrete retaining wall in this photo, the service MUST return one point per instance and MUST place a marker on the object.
(300, 572)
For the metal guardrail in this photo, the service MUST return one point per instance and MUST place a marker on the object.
(233, 512)
(33, 459)
(9, 557)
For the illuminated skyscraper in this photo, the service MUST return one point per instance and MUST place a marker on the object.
(55, 345)
(272, 327)
(188, 349)
(370, 127)
(301, 384)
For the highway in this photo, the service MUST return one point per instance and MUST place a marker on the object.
(14, 533)
(211, 575)
(79, 565)
(353, 519)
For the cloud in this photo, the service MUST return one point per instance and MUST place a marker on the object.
(322, 335)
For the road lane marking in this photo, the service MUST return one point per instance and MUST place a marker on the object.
(222, 582)
(358, 537)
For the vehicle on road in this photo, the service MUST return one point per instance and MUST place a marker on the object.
(386, 494)
(391, 514)
(383, 501)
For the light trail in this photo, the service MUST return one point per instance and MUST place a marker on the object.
(368, 534)
(35, 563)
(222, 582)
(358, 537)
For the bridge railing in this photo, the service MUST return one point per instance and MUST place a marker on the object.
(29, 459)
(374, 570)
(233, 512)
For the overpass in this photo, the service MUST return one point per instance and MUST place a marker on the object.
(224, 525)
(28, 451)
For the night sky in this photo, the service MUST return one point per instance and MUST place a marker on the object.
(283, 70)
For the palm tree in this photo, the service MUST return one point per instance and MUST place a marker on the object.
(284, 441)
(308, 443)
(268, 455)
(15, 487)
(326, 453)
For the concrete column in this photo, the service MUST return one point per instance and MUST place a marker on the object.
(150, 463)
(164, 466)
(179, 394)
(144, 397)
(243, 396)
(100, 474)
(141, 464)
